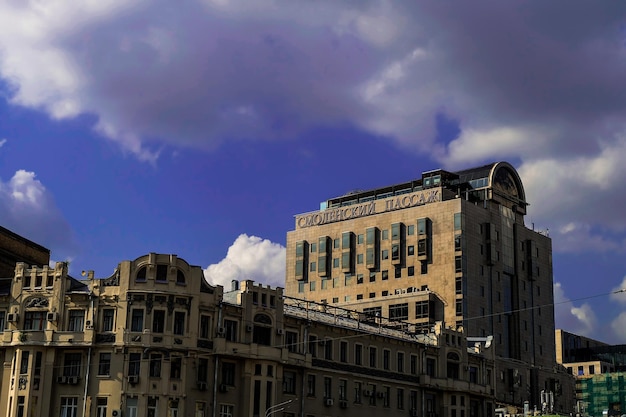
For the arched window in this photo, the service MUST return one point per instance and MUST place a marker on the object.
(453, 365)
(141, 274)
(262, 333)
(180, 277)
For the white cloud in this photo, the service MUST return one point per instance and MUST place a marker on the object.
(520, 80)
(576, 319)
(618, 326)
(249, 258)
(619, 293)
(28, 209)
(2, 142)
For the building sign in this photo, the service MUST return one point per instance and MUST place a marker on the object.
(354, 211)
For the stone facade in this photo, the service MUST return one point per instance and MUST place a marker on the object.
(447, 248)
(154, 339)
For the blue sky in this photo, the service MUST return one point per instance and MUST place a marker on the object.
(129, 127)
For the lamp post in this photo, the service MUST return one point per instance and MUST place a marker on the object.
(276, 408)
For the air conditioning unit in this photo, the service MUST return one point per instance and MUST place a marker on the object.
(133, 379)
(88, 324)
(116, 413)
(328, 402)
(12, 317)
(413, 412)
(221, 332)
(367, 393)
(61, 380)
(201, 385)
(343, 403)
(248, 327)
(280, 331)
(52, 316)
(72, 380)
(223, 388)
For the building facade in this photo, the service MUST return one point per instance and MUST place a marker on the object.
(449, 248)
(154, 339)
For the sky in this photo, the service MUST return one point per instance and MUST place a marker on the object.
(200, 128)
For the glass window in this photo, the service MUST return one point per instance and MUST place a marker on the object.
(385, 234)
(400, 362)
(398, 272)
(155, 365)
(34, 320)
(458, 264)
(384, 254)
(410, 230)
(395, 231)
(141, 274)
(385, 275)
(300, 248)
(136, 324)
(310, 385)
(161, 273)
(313, 247)
(76, 320)
(322, 243)
(71, 364)
(421, 309)
(422, 226)
(358, 354)
(346, 240)
(359, 258)
(108, 319)
(104, 364)
(158, 321)
(457, 221)
(370, 234)
(176, 365)
(411, 271)
(373, 356)
(205, 324)
(372, 276)
(101, 407)
(458, 242)
(395, 252)
(69, 406)
(386, 358)
(335, 262)
(410, 250)
(359, 239)
(289, 382)
(24, 362)
(336, 243)
(179, 323)
(228, 373)
(399, 311)
(134, 364)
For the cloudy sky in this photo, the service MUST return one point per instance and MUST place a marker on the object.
(201, 127)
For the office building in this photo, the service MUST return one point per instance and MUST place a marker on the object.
(447, 247)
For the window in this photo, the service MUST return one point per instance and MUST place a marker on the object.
(399, 311)
(161, 273)
(359, 258)
(346, 240)
(155, 365)
(38, 358)
(203, 369)
(312, 267)
(457, 242)
(410, 271)
(397, 272)
(373, 356)
(108, 319)
(592, 369)
(343, 351)
(335, 262)
(459, 307)
(358, 354)
(343, 389)
(430, 367)
(136, 323)
(313, 247)
(24, 362)
(421, 309)
(386, 355)
(34, 320)
(2, 320)
(131, 407)
(176, 365)
(357, 392)
(180, 277)
(422, 225)
(69, 406)
(328, 387)
(413, 362)
(423, 268)
(141, 274)
(385, 234)
(101, 407)
(76, 320)
(328, 349)
(400, 399)
(310, 385)
(227, 410)
(400, 362)
(395, 252)
(395, 231)
(291, 341)
(153, 407)
(459, 285)
(158, 321)
(179, 323)
(458, 264)
(313, 345)
(372, 276)
(104, 364)
(410, 230)
(231, 330)
(134, 364)
(410, 250)
(289, 382)
(71, 364)
(205, 324)
(384, 254)
(336, 243)
(385, 275)
(422, 247)
(359, 239)
(359, 279)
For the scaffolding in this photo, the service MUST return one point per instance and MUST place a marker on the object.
(604, 394)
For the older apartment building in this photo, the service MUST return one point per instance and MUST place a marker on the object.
(450, 248)
(154, 339)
